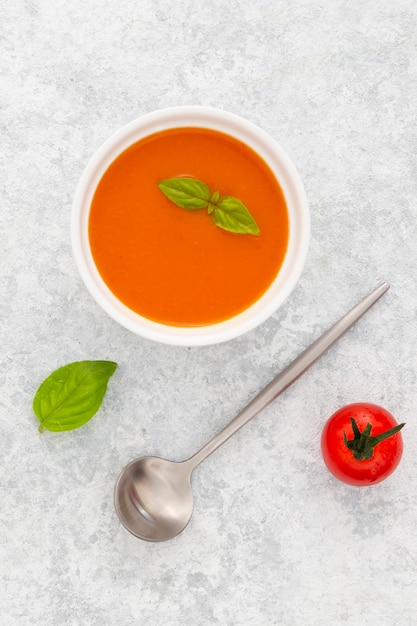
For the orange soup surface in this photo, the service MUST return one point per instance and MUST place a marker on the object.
(173, 265)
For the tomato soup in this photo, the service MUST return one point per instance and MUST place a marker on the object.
(176, 266)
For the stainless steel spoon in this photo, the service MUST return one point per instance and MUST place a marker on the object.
(153, 496)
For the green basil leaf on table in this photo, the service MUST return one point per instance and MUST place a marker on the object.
(72, 394)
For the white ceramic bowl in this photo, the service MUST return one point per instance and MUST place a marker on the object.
(281, 166)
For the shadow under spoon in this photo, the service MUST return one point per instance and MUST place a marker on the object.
(153, 496)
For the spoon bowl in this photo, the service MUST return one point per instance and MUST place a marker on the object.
(153, 498)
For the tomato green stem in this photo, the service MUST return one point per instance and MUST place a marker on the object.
(362, 445)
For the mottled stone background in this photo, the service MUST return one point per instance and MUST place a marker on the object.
(274, 538)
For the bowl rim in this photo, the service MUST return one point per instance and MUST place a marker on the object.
(276, 158)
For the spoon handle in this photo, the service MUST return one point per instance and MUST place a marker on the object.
(289, 374)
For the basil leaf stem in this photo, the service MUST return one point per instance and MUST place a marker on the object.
(227, 212)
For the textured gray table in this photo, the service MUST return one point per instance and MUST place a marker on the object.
(276, 541)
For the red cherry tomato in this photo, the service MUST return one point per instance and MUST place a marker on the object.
(361, 444)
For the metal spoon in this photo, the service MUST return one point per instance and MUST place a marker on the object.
(153, 496)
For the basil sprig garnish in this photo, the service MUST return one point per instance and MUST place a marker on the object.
(72, 394)
(227, 212)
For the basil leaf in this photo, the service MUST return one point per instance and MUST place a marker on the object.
(188, 193)
(232, 215)
(227, 212)
(72, 394)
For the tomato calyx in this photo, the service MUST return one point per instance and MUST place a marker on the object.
(363, 443)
